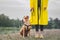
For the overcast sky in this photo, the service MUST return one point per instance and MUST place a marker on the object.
(18, 8)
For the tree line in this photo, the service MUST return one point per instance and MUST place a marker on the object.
(5, 21)
(54, 23)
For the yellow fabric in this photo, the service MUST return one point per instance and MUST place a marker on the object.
(33, 16)
(43, 18)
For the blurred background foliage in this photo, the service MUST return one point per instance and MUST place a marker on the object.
(8, 25)
(5, 21)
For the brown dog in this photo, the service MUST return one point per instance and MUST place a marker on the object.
(25, 30)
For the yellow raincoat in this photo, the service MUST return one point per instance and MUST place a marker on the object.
(39, 16)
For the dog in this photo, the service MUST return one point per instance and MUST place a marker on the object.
(25, 30)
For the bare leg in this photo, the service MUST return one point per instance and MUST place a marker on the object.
(37, 31)
(41, 31)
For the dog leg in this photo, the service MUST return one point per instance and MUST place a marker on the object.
(23, 33)
(29, 35)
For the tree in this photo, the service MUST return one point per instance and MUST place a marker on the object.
(4, 20)
(57, 23)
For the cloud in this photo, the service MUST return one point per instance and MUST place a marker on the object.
(54, 7)
(19, 8)
(14, 8)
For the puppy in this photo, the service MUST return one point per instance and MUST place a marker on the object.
(25, 30)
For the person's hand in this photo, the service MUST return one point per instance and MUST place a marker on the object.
(32, 9)
(45, 8)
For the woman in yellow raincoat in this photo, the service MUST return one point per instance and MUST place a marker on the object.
(39, 14)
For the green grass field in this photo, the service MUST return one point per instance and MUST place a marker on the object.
(8, 30)
(12, 33)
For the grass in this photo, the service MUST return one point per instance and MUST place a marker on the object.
(13, 34)
(8, 30)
